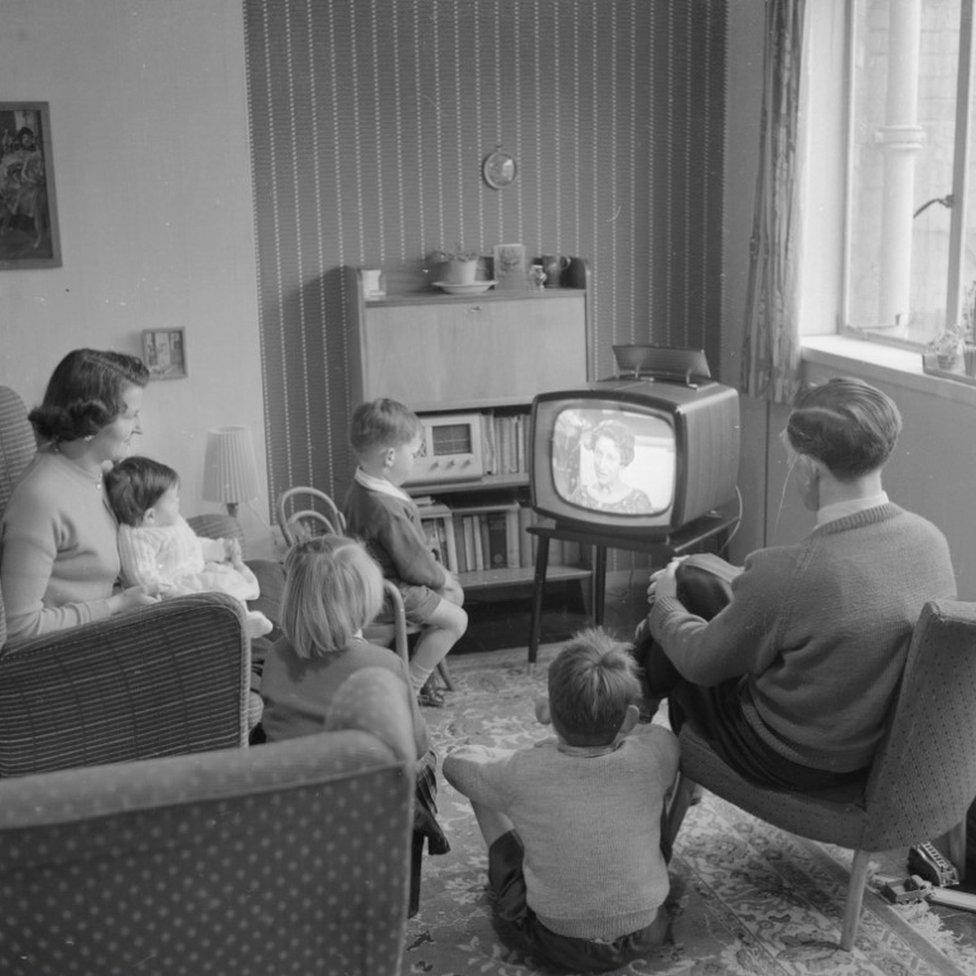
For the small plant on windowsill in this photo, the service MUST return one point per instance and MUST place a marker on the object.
(947, 345)
(957, 338)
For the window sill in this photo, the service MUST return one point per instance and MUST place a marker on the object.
(878, 363)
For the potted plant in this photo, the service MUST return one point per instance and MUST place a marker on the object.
(460, 267)
(946, 346)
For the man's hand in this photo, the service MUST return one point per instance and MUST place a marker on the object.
(664, 581)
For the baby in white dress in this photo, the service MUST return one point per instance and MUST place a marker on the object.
(160, 551)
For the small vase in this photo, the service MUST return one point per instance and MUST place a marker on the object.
(458, 272)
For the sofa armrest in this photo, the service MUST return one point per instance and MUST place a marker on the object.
(162, 680)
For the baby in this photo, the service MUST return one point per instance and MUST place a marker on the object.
(160, 551)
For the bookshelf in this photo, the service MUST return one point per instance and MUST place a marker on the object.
(489, 354)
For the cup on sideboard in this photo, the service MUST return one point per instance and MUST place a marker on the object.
(554, 265)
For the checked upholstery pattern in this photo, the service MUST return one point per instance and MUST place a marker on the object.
(284, 858)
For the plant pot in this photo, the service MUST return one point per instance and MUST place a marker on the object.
(946, 360)
(457, 272)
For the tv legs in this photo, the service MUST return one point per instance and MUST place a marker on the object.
(541, 566)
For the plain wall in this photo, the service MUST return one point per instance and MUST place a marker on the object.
(152, 170)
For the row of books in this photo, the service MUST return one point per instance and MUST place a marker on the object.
(484, 537)
(504, 445)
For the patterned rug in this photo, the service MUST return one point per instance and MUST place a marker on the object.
(748, 898)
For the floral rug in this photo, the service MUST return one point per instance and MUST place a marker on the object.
(747, 898)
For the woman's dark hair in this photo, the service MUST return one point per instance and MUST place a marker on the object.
(620, 434)
(135, 484)
(847, 424)
(85, 393)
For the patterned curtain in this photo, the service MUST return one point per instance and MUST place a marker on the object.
(771, 354)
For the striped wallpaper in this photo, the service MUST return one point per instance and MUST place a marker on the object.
(369, 122)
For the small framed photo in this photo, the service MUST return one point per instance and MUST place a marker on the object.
(510, 270)
(164, 353)
(28, 212)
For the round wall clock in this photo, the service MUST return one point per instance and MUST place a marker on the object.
(499, 169)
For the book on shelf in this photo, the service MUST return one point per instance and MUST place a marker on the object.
(438, 523)
(477, 538)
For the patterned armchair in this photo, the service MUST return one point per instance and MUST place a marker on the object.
(167, 679)
(291, 857)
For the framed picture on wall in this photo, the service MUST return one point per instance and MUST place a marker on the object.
(28, 212)
(510, 269)
(164, 353)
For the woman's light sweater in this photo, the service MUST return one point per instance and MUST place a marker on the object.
(58, 559)
(590, 825)
(820, 631)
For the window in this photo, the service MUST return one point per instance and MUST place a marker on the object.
(910, 233)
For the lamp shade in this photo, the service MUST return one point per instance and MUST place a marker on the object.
(229, 468)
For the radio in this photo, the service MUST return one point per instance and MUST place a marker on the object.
(450, 448)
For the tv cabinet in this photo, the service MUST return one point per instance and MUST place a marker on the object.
(490, 353)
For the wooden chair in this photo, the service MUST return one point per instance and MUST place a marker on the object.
(305, 521)
(920, 784)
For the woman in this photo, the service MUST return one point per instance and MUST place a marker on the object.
(613, 449)
(59, 561)
(793, 678)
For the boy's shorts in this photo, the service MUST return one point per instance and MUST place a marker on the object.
(419, 602)
(517, 924)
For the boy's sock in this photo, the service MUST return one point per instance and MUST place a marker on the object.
(418, 675)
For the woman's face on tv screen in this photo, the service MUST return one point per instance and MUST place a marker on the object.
(606, 460)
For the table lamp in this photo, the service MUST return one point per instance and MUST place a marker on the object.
(229, 469)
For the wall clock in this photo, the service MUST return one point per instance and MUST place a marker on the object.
(499, 169)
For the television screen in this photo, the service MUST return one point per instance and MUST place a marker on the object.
(613, 460)
(643, 456)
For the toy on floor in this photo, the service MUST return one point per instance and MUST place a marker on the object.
(933, 879)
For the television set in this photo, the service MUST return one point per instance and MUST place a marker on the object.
(634, 454)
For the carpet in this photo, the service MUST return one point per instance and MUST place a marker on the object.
(746, 897)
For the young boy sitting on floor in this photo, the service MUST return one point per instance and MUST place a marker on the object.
(573, 823)
(385, 436)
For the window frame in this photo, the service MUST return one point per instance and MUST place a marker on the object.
(959, 190)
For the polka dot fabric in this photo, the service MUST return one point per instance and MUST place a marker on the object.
(375, 700)
(286, 858)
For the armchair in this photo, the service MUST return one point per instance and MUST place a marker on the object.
(920, 784)
(257, 860)
(162, 680)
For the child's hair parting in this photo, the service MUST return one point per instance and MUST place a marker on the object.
(381, 423)
(135, 484)
(333, 588)
(592, 681)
